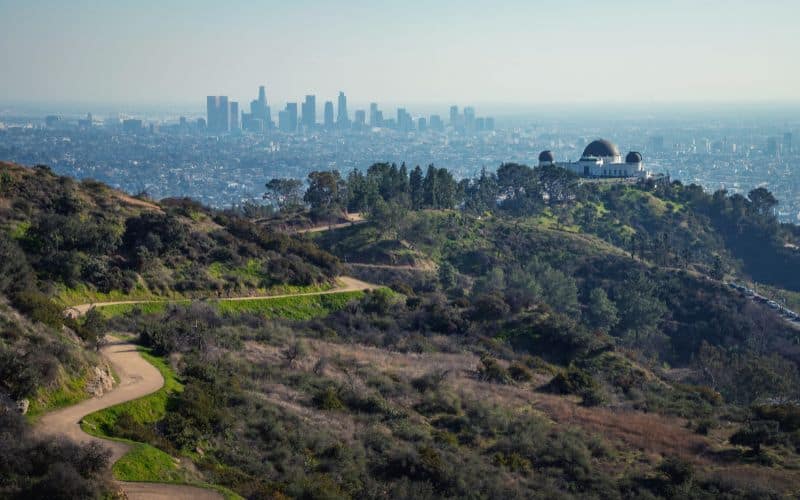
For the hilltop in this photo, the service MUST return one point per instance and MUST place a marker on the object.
(537, 337)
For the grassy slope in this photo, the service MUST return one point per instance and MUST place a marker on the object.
(300, 307)
(146, 463)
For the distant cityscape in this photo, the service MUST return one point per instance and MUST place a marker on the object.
(225, 157)
(223, 116)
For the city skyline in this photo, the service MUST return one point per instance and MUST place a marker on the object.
(222, 115)
(525, 52)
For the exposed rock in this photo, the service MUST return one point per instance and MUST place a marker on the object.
(23, 405)
(101, 382)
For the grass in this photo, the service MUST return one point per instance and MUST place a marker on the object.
(154, 307)
(296, 308)
(82, 294)
(146, 410)
(146, 463)
(70, 391)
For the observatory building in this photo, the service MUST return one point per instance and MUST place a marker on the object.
(601, 158)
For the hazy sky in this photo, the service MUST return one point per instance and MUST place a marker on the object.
(411, 51)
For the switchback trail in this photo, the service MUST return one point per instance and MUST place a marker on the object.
(137, 378)
(345, 284)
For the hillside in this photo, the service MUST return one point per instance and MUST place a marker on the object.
(572, 341)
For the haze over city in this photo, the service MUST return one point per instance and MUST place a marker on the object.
(407, 53)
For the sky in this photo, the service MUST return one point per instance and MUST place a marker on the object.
(412, 51)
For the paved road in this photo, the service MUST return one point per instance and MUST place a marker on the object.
(345, 284)
(138, 378)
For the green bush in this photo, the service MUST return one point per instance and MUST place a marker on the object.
(328, 399)
(39, 307)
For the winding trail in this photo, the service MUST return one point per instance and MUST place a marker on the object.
(345, 284)
(137, 378)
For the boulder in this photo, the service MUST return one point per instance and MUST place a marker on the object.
(101, 382)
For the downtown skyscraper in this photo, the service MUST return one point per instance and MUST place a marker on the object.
(342, 120)
(259, 119)
(310, 112)
(218, 113)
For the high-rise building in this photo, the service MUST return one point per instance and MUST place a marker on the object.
(260, 117)
(787, 142)
(218, 113)
(422, 124)
(489, 124)
(328, 115)
(342, 119)
(404, 121)
(132, 126)
(287, 119)
(454, 121)
(234, 118)
(469, 119)
(360, 120)
(310, 112)
(436, 123)
(375, 118)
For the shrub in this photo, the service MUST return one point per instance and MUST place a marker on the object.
(491, 371)
(578, 382)
(677, 470)
(38, 307)
(757, 434)
(519, 372)
(328, 399)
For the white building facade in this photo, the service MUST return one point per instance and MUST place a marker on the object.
(601, 158)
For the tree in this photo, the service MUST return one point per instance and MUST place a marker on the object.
(285, 193)
(602, 313)
(639, 308)
(387, 215)
(762, 202)
(416, 189)
(756, 434)
(326, 193)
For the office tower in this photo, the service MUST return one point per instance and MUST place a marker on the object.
(373, 115)
(469, 119)
(342, 120)
(262, 96)
(200, 124)
(489, 124)
(218, 113)
(436, 123)
(260, 116)
(234, 118)
(454, 116)
(131, 126)
(480, 124)
(287, 119)
(422, 124)
(404, 121)
(787, 142)
(328, 115)
(310, 112)
(360, 119)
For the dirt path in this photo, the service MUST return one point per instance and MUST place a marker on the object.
(352, 219)
(345, 284)
(137, 378)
